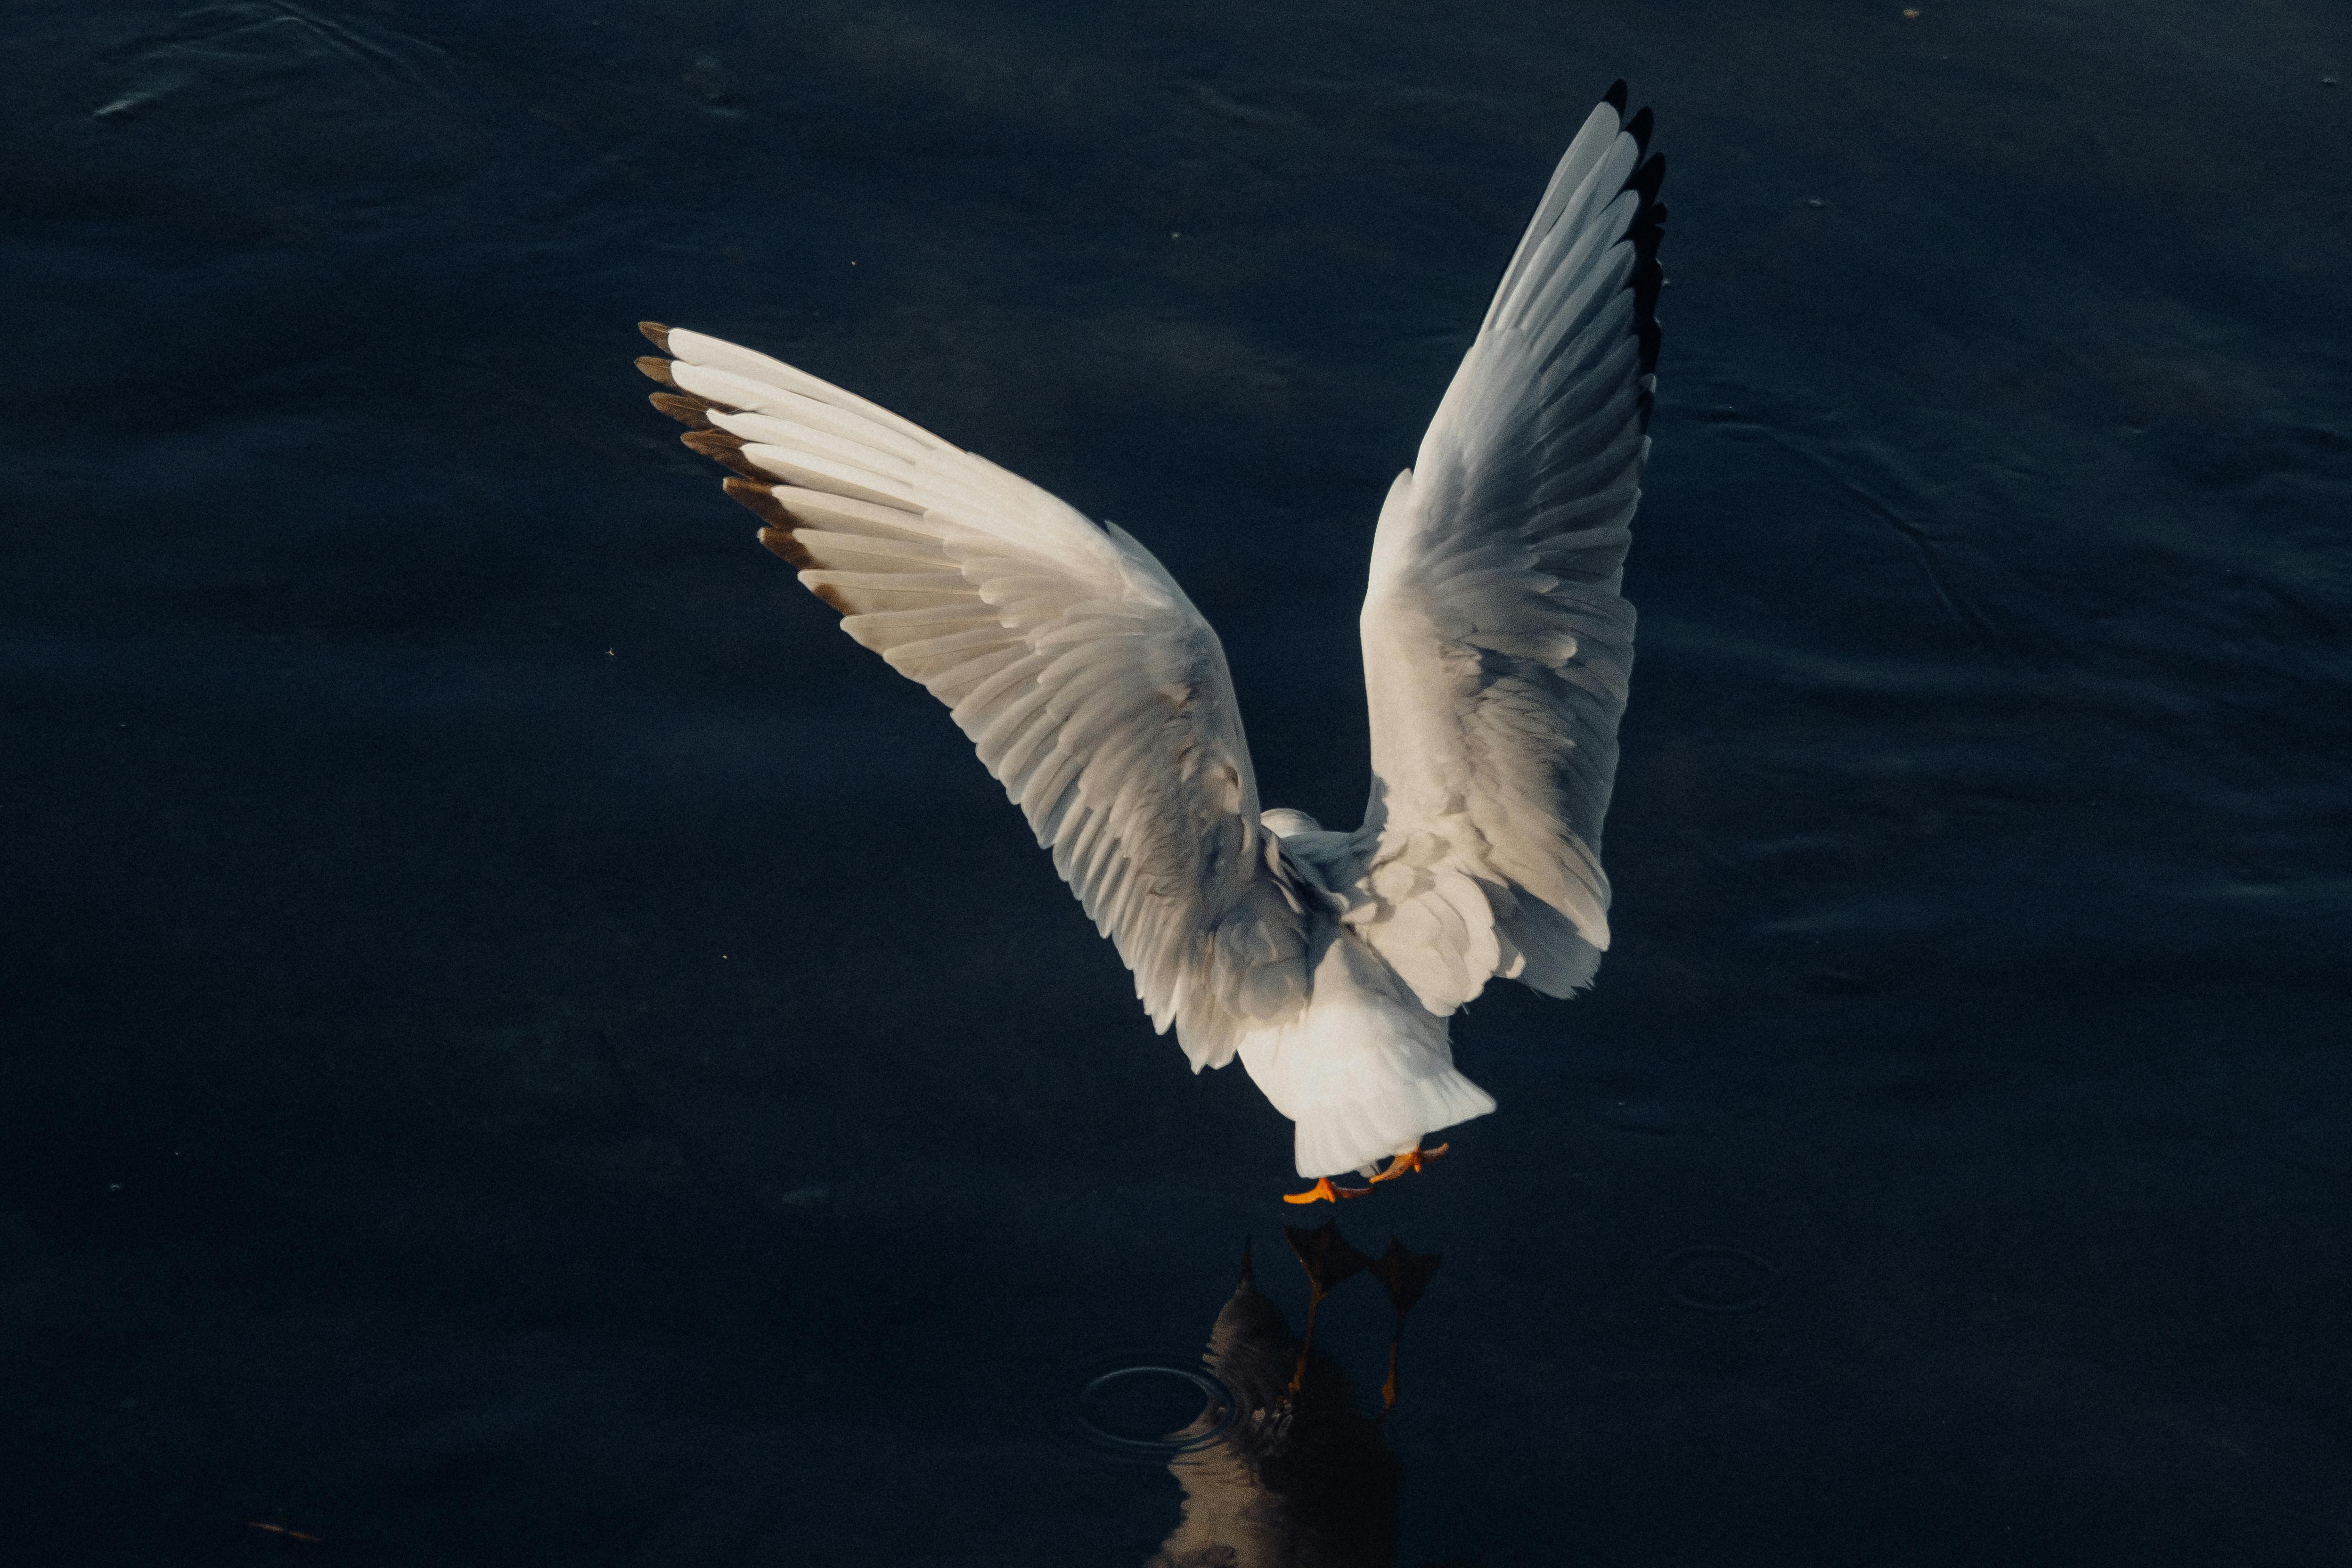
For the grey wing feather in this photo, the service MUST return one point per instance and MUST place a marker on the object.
(1497, 642)
(1090, 686)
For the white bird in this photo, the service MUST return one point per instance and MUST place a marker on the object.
(1497, 647)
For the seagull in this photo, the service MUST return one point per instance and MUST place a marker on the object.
(1497, 647)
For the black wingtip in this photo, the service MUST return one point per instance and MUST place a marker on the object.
(1647, 279)
(1649, 177)
(1638, 128)
(1645, 232)
(1615, 97)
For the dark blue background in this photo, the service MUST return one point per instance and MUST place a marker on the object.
(523, 1043)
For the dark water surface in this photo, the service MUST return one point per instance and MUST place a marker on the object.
(524, 1045)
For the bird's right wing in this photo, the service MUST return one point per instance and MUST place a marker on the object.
(1094, 690)
(1497, 645)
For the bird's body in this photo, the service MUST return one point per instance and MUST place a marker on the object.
(1363, 1067)
(1495, 646)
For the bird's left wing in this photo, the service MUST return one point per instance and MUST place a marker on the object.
(1094, 690)
(1496, 644)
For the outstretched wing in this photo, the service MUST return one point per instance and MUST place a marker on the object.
(1497, 645)
(1094, 690)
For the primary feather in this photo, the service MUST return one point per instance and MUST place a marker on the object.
(1496, 651)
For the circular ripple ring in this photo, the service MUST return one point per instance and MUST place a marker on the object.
(1717, 1279)
(1214, 1394)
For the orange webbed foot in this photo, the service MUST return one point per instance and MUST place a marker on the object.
(1413, 1159)
(1323, 1190)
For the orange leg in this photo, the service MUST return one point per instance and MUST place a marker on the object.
(1323, 1190)
(1413, 1159)
(1306, 1346)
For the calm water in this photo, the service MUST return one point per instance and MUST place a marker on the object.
(524, 1045)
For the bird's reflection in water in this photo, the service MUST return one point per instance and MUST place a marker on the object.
(1300, 1476)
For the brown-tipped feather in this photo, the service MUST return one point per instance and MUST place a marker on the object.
(786, 545)
(656, 334)
(725, 450)
(657, 368)
(761, 502)
(684, 407)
